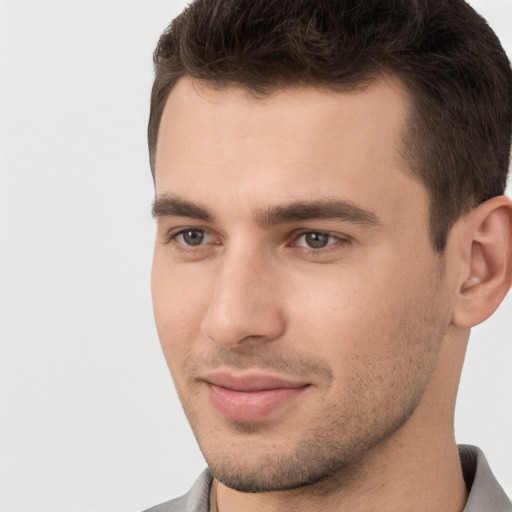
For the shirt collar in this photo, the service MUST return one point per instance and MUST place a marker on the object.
(485, 493)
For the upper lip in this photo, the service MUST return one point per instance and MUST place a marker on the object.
(250, 381)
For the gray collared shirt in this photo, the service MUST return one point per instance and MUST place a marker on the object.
(485, 493)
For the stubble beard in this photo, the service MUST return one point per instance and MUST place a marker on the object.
(330, 452)
(383, 394)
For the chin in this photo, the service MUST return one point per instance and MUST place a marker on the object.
(253, 469)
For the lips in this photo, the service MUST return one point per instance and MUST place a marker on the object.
(251, 397)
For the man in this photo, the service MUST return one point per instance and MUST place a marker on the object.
(331, 223)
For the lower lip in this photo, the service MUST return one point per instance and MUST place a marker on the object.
(250, 405)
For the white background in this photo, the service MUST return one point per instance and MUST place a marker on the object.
(89, 420)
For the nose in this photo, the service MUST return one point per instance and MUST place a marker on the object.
(245, 307)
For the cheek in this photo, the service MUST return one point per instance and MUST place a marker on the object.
(344, 299)
(179, 305)
(356, 311)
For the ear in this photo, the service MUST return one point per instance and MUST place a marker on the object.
(486, 261)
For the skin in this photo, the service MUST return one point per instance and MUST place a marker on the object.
(365, 323)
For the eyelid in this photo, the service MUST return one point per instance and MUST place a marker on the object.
(338, 237)
(172, 235)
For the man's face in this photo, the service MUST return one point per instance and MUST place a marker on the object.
(298, 301)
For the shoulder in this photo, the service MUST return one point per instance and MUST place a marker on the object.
(196, 500)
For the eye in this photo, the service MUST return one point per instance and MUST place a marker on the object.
(316, 240)
(193, 237)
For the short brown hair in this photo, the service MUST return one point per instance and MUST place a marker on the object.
(448, 58)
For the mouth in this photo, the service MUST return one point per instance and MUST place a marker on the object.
(251, 397)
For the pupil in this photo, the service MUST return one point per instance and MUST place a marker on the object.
(193, 237)
(317, 240)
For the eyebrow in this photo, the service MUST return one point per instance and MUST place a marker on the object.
(329, 209)
(170, 205)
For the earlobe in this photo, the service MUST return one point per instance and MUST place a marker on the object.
(488, 270)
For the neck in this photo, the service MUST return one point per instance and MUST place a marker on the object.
(412, 479)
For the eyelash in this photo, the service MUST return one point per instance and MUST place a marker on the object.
(172, 237)
(339, 241)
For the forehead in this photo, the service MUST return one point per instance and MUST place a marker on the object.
(201, 111)
(228, 144)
